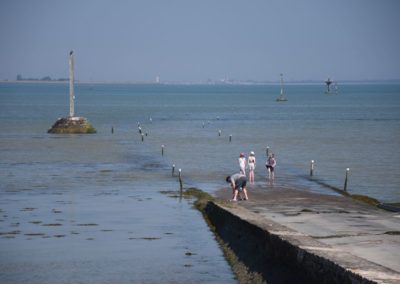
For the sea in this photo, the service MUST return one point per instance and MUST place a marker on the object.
(98, 208)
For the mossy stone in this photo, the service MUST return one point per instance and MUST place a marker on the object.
(72, 125)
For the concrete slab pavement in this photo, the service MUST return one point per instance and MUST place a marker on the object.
(343, 224)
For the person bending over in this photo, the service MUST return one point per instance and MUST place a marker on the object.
(238, 185)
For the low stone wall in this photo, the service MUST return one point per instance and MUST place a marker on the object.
(279, 254)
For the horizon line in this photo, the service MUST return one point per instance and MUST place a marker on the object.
(204, 82)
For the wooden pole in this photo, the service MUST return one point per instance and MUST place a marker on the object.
(346, 179)
(173, 169)
(162, 150)
(312, 168)
(180, 180)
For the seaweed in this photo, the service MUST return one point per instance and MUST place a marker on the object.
(365, 199)
(242, 272)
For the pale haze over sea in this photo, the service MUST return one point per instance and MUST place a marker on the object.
(194, 41)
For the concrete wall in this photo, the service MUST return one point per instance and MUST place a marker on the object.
(279, 254)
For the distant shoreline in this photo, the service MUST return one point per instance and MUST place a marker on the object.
(212, 83)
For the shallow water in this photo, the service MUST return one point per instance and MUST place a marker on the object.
(88, 208)
(106, 234)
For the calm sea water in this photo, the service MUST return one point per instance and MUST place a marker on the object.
(91, 204)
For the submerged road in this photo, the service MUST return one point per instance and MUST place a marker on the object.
(358, 237)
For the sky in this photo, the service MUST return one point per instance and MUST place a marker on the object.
(195, 41)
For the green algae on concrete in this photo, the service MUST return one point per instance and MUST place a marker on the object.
(366, 199)
(242, 272)
(393, 207)
(72, 125)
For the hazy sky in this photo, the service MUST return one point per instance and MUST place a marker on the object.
(188, 40)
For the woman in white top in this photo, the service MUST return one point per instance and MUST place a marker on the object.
(251, 161)
(242, 164)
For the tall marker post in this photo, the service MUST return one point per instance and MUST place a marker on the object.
(71, 85)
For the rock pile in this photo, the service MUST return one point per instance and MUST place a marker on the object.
(70, 125)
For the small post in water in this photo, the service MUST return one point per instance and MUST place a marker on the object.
(112, 129)
(312, 168)
(180, 180)
(230, 138)
(345, 180)
(219, 132)
(142, 137)
(173, 169)
(267, 151)
(162, 150)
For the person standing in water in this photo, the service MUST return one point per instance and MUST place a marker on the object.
(251, 161)
(242, 164)
(270, 164)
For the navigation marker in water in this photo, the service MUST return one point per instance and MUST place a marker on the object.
(328, 84)
(72, 124)
(281, 97)
(71, 85)
(328, 87)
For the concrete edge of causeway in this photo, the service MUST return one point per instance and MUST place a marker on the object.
(283, 255)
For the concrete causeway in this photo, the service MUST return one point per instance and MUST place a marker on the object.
(360, 240)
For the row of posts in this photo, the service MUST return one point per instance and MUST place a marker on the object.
(312, 167)
(145, 134)
(162, 154)
(179, 176)
(163, 147)
(312, 164)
